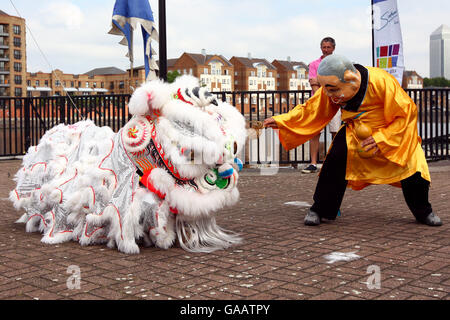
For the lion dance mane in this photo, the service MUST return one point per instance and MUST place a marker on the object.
(160, 180)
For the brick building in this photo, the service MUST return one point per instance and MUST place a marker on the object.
(292, 75)
(13, 62)
(214, 72)
(412, 80)
(253, 74)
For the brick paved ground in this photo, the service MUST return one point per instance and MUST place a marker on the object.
(280, 258)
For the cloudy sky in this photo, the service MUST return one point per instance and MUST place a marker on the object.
(73, 34)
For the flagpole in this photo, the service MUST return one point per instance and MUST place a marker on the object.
(162, 41)
(373, 35)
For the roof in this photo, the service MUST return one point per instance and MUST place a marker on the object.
(104, 71)
(289, 65)
(3, 13)
(443, 29)
(202, 59)
(409, 73)
(170, 62)
(250, 63)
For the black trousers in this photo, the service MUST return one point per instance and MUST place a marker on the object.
(330, 188)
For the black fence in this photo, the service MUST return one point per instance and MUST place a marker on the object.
(23, 121)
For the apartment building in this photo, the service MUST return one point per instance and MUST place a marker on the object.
(58, 83)
(214, 72)
(13, 61)
(253, 74)
(412, 80)
(291, 75)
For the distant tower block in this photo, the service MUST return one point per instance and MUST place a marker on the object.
(440, 53)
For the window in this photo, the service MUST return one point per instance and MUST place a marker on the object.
(18, 79)
(46, 83)
(252, 73)
(121, 84)
(17, 54)
(16, 29)
(37, 83)
(87, 84)
(71, 84)
(79, 84)
(17, 66)
(205, 70)
(29, 83)
(16, 42)
(18, 92)
(57, 83)
(270, 74)
(95, 84)
(102, 84)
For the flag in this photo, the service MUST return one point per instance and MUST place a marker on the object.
(388, 44)
(126, 15)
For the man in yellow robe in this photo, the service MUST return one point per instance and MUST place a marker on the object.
(389, 151)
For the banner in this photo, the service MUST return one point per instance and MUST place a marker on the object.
(126, 15)
(387, 38)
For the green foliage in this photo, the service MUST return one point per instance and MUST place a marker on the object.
(172, 75)
(436, 82)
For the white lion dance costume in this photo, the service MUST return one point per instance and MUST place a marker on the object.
(161, 178)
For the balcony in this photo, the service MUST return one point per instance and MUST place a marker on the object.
(4, 30)
(4, 71)
(4, 57)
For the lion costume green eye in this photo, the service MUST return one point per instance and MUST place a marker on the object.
(212, 178)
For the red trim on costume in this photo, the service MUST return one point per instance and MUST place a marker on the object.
(76, 173)
(180, 96)
(90, 235)
(99, 166)
(40, 216)
(167, 163)
(53, 226)
(118, 213)
(93, 192)
(44, 163)
(61, 199)
(67, 161)
(146, 181)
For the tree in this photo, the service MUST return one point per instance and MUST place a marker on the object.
(172, 75)
(436, 82)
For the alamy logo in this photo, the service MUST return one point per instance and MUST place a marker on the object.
(374, 280)
(73, 282)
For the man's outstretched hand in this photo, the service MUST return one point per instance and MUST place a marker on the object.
(370, 144)
(270, 123)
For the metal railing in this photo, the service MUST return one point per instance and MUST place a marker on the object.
(23, 121)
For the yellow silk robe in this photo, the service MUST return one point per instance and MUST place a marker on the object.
(391, 114)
